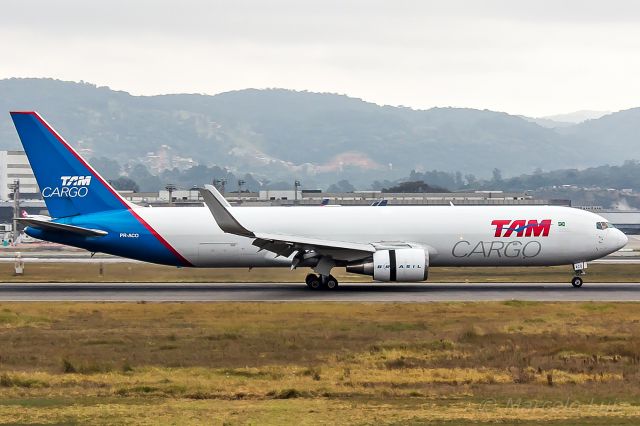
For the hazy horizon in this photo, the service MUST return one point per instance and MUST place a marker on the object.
(556, 117)
(527, 58)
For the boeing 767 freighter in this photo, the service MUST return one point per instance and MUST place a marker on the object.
(389, 244)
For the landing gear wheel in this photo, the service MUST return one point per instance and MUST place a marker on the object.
(313, 281)
(330, 282)
(576, 282)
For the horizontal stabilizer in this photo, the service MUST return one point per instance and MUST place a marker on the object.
(46, 225)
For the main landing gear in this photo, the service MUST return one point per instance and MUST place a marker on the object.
(578, 269)
(321, 282)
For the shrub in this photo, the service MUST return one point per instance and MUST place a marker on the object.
(399, 363)
(469, 335)
(524, 375)
(9, 381)
(288, 394)
(68, 367)
(199, 395)
(313, 372)
(6, 381)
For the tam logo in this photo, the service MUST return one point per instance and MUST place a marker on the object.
(75, 180)
(521, 227)
(72, 187)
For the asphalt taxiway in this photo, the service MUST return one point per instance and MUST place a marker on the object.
(287, 292)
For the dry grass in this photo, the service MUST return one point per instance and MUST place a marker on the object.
(312, 363)
(144, 272)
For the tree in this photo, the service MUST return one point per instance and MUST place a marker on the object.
(497, 175)
(108, 168)
(416, 186)
(471, 179)
(124, 183)
(146, 181)
(458, 180)
(342, 186)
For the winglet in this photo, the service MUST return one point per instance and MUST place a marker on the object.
(219, 208)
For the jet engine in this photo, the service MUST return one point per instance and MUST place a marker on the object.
(409, 264)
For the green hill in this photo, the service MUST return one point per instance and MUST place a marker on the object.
(318, 137)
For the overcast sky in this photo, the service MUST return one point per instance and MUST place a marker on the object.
(536, 57)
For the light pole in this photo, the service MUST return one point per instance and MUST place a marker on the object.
(220, 183)
(16, 206)
(296, 185)
(170, 187)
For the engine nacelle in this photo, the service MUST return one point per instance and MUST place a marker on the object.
(395, 265)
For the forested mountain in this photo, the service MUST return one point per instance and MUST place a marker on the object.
(320, 138)
(611, 138)
(625, 176)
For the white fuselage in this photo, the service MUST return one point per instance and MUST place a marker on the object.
(453, 235)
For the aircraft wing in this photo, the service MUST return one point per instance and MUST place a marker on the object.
(282, 245)
(46, 225)
(285, 245)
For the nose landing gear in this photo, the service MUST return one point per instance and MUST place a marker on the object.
(578, 269)
(576, 282)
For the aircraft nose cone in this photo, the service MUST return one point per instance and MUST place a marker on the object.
(622, 239)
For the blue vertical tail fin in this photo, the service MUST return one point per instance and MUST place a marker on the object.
(68, 184)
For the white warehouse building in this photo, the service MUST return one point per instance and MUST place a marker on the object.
(14, 165)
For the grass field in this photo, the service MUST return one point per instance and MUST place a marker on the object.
(144, 272)
(313, 363)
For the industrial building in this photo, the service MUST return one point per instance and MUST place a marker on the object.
(357, 198)
(313, 197)
(14, 166)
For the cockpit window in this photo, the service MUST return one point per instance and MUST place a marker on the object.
(604, 225)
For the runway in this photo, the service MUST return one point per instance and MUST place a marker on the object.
(281, 292)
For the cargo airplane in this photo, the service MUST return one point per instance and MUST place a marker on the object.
(395, 243)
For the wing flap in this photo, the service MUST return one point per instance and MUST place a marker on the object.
(314, 243)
